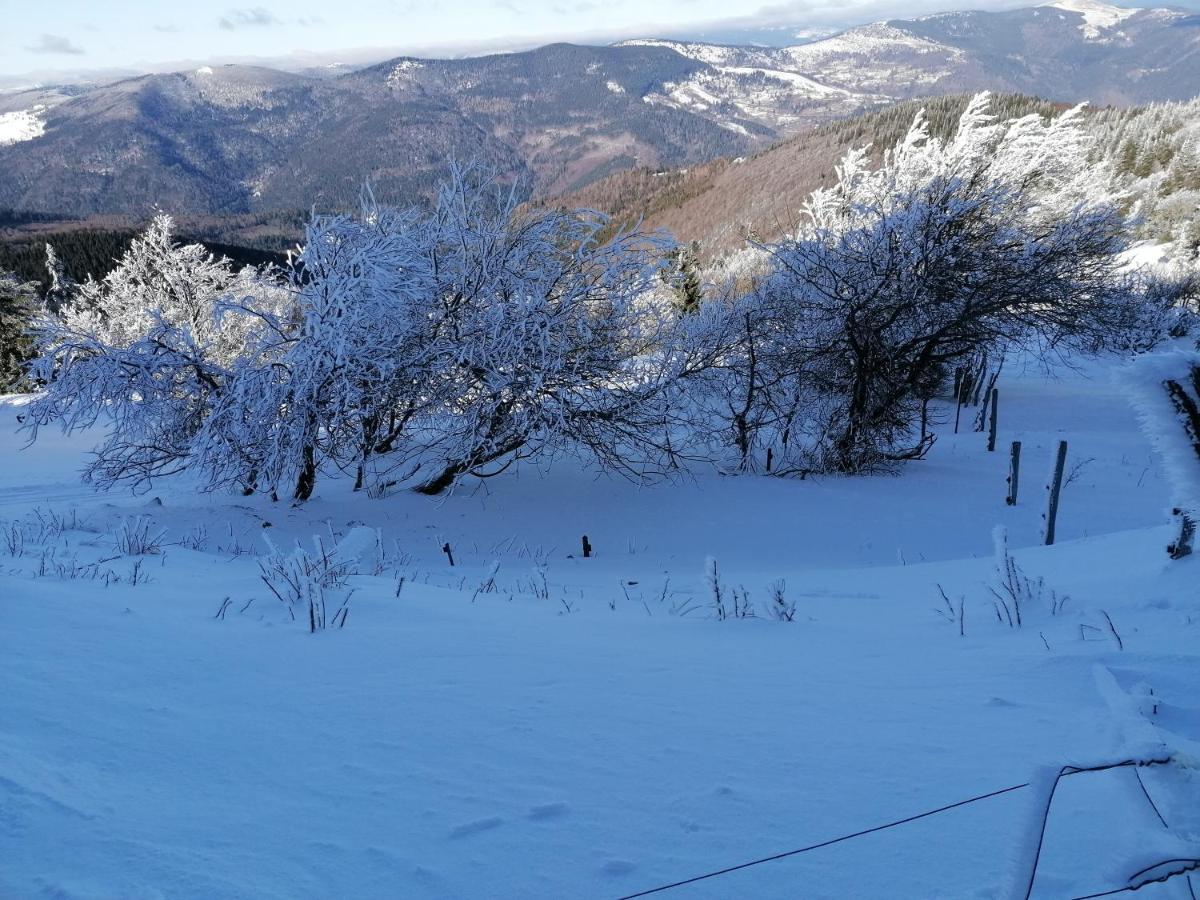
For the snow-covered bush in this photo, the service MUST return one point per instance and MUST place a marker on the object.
(303, 580)
(1017, 598)
(138, 537)
(1165, 306)
(425, 345)
(780, 607)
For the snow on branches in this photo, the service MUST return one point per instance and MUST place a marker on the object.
(994, 236)
(148, 351)
(417, 347)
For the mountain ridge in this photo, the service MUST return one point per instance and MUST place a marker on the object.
(229, 140)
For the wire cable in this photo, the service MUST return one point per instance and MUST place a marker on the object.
(1063, 772)
(837, 840)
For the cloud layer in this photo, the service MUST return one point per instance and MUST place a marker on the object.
(55, 43)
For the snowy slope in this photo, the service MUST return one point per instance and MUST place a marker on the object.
(568, 735)
(762, 85)
(1098, 18)
(22, 125)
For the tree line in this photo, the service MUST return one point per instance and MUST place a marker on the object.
(417, 347)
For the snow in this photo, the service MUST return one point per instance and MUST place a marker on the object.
(403, 72)
(868, 40)
(1149, 255)
(615, 87)
(1144, 380)
(453, 742)
(1097, 17)
(22, 125)
(770, 96)
(713, 54)
(876, 58)
(807, 85)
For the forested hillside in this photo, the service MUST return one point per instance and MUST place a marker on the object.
(1154, 152)
(94, 252)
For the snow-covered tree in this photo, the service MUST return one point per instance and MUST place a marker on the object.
(337, 376)
(146, 351)
(61, 286)
(425, 346)
(997, 234)
(544, 340)
(416, 346)
(684, 279)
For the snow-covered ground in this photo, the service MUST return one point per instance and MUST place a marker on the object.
(586, 727)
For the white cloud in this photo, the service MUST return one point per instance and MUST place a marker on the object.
(55, 43)
(257, 17)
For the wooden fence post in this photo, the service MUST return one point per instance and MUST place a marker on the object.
(1055, 488)
(1014, 473)
(587, 547)
(958, 398)
(992, 420)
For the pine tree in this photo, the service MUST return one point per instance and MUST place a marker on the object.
(1128, 158)
(18, 303)
(684, 278)
(62, 287)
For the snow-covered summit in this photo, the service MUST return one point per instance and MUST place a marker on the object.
(1097, 17)
(22, 125)
(403, 72)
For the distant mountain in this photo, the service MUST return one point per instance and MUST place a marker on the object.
(236, 139)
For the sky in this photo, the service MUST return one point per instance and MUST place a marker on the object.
(42, 39)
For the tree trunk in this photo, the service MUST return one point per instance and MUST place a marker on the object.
(442, 480)
(454, 470)
(308, 476)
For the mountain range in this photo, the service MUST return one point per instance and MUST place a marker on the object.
(236, 139)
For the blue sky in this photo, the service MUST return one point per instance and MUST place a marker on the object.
(42, 37)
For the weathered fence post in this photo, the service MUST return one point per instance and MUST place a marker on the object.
(992, 420)
(587, 547)
(1055, 487)
(1182, 545)
(960, 385)
(1014, 473)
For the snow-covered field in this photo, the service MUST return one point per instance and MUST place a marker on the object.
(530, 723)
